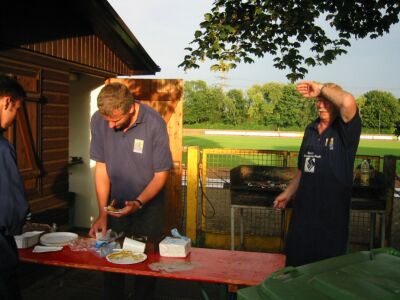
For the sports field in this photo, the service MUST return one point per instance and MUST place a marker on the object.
(366, 147)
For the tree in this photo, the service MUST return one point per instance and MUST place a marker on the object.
(397, 129)
(204, 104)
(273, 91)
(193, 101)
(229, 113)
(239, 30)
(241, 104)
(200, 104)
(361, 103)
(380, 110)
(260, 108)
(293, 110)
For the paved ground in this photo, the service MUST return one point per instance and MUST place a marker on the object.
(53, 283)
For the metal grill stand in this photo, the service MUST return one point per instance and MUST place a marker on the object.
(254, 186)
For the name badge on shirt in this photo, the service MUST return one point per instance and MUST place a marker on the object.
(331, 143)
(138, 146)
(309, 165)
(310, 162)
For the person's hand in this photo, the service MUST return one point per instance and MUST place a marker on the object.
(281, 200)
(99, 225)
(129, 208)
(309, 89)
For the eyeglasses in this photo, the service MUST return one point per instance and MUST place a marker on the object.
(118, 119)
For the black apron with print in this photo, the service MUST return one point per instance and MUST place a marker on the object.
(321, 209)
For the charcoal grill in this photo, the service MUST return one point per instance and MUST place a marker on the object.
(257, 186)
(253, 186)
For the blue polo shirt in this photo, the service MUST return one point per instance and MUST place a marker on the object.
(321, 208)
(134, 156)
(13, 205)
(332, 151)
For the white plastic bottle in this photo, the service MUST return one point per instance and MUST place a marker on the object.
(364, 176)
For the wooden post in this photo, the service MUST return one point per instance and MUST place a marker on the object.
(389, 170)
(192, 191)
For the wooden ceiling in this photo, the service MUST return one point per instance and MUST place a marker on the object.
(33, 21)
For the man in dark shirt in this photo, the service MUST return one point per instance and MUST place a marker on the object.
(321, 189)
(130, 145)
(13, 205)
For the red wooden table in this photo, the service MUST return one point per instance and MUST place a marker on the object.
(232, 268)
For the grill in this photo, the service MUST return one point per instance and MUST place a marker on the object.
(253, 185)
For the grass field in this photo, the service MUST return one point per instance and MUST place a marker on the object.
(366, 147)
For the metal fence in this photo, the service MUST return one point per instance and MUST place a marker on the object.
(214, 197)
(215, 192)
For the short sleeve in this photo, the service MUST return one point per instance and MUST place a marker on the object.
(351, 131)
(96, 142)
(162, 159)
(301, 151)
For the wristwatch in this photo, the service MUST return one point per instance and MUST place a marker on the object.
(139, 202)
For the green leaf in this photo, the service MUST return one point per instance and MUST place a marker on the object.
(310, 61)
(208, 17)
(230, 28)
(345, 42)
(303, 70)
(215, 67)
(197, 34)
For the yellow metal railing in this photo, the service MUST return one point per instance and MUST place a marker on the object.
(211, 226)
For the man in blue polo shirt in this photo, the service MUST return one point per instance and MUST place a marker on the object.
(131, 148)
(321, 189)
(13, 205)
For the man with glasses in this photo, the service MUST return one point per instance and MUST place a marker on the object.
(321, 189)
(131, 148)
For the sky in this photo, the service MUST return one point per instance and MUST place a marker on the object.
(165, 28)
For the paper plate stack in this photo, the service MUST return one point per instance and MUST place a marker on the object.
(58, 239)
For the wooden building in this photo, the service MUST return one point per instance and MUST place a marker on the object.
(60, 51)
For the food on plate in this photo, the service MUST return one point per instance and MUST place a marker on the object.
(124, 257)
(125, 254)
(112, 207)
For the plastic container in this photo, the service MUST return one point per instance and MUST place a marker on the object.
(364, 175)
(108, 248)
(368, 275)
(27, 239)
(174, 247)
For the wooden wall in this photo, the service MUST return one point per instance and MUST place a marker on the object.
(86, 50)
(40, 135)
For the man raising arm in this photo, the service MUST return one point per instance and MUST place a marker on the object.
(321, 189)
